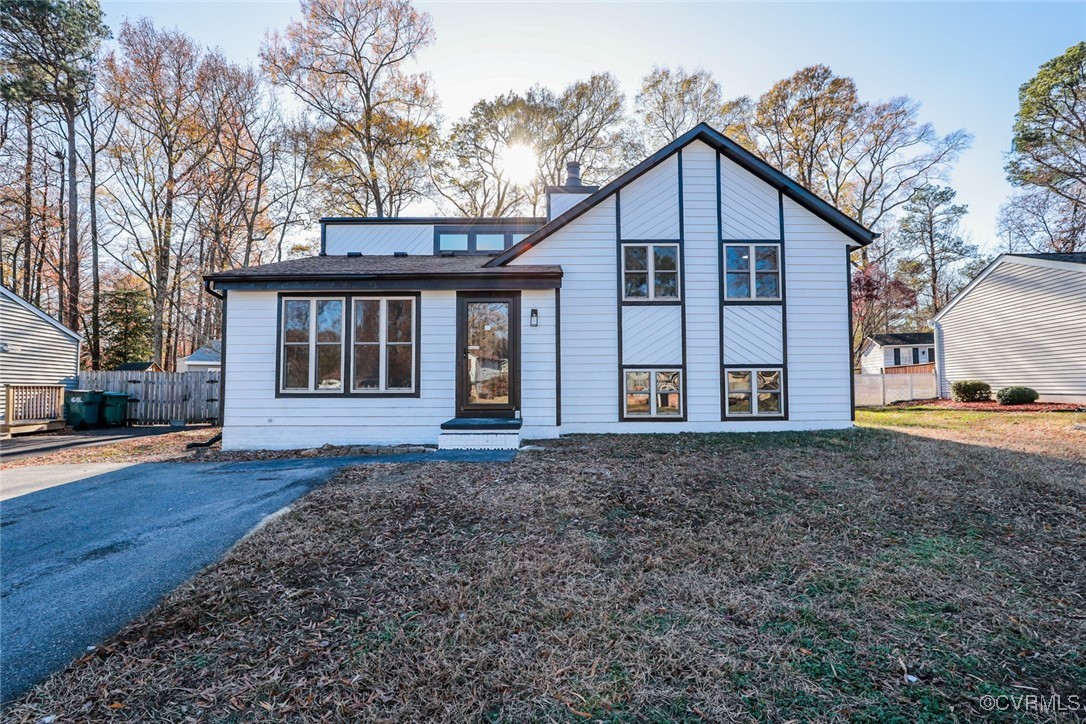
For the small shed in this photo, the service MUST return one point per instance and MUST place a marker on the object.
(138, 367)
(39, 357)
(207, 358)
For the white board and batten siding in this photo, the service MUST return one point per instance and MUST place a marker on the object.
(379, 239)
(1022, 322)
(39, 350)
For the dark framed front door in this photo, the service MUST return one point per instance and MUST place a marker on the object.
(488, 354)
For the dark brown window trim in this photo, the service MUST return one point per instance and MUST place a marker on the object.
(623, 417)
(348, 358)
(725, 417)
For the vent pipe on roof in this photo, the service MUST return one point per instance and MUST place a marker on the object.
(573, 174)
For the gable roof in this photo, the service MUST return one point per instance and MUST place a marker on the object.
(901, 339)
(7, 293)
(1075, 261)
(729, 149)
(210, 352)
(135, 367)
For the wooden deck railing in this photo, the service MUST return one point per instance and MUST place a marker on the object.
(910, 369)
(33, 403)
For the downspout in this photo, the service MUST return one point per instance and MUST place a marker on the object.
(222, 369)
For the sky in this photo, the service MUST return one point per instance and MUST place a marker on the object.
(963, 62)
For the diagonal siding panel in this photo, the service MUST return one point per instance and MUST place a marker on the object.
(651, 335)
(752, 335)
(650, 205)
(749, 207)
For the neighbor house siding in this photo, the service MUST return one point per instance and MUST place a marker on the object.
(819, 376)
(1021, 324)
(38, 353)
(380, 239)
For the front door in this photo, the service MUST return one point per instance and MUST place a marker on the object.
(488, 367)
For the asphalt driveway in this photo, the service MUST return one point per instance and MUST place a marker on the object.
(80, 560)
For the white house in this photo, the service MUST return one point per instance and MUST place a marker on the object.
(205, 359)
(1022, 321)
(700, 291)
(35, 349)
(883, 351)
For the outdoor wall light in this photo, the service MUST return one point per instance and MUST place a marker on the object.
(534, 319)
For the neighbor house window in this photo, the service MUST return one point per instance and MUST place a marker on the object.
(383, 344)
(752, 271)
(312, 345)
(650, 272)
(653, 393)
(754, 392)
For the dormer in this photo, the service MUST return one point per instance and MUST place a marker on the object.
(423, 236)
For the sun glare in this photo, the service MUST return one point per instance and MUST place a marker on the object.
(518, 164)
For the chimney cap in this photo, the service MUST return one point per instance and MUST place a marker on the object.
(573, 173)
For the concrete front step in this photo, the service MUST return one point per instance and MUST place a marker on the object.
(479, 440)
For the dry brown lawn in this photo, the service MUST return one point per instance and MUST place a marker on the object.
(866, 575)
(155, 448)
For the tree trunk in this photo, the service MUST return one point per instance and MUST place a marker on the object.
(28, 201)
(96, 287)
(73, 223)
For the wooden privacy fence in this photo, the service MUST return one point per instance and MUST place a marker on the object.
(884, 389)
(910, 369)
(157, 398)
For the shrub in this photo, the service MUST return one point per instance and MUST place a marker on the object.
(1016, 396)
(971, 391)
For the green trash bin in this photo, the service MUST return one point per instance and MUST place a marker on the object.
(114, 409)
(81, 408)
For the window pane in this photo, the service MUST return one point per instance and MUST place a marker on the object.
(489, 242)
(666, 258)
(399, 320)
(765, 258)
(329, 367)
(738, 403)
(769, 402)
(452, 242)
(518, 237)
(296, 320)
(767, 284)
(367, 371)
(399, 367)
(738, 285)
(667, 285)
(667, 381)
(739, 381)
(329, 320)
(769, 380)
(367, 320)
(637, 258)
(637, 381)
(667, 403)
(637, 284)
(297, 367)
(738, 258)
(637, 403)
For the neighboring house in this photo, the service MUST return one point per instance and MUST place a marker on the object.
(881, 351)
(206, 359)
(700, 291)
(1022, 321)
(35, 349)
(138, 367)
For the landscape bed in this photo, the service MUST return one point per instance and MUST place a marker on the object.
(864, 574)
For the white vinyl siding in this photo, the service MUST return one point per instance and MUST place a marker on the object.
(560, 203)
(380, 239)
(38, 352)
(650, 204)
(652, 335)
(1034, 315)
(816, 289)
(701, 258)
(753, 335)
(537, 368)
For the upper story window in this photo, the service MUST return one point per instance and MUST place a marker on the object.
(468, 240)
(753, 271)
(650, 272)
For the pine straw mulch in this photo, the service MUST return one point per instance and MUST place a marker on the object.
(989, 406)
(859, 574)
